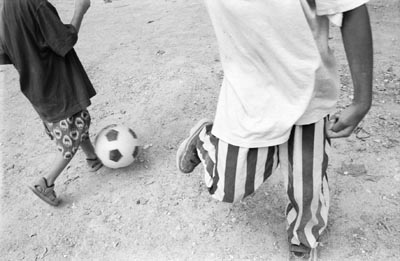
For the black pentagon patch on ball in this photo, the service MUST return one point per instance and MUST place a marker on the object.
(115, 155)
(135, 152)
(112, 135)
(133, 133)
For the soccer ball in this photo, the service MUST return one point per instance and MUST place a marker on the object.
(116, 146)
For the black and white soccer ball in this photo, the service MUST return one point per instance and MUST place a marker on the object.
(117, 146)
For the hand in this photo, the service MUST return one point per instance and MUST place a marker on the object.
(81, 6)
(343, 124)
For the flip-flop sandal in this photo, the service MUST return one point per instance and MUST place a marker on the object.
(45, 192)
(94, 164)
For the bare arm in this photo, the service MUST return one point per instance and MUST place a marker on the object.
(357, 40)
(81, 6)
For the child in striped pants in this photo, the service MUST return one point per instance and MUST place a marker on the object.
(276, 104)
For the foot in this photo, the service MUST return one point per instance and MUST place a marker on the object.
(94, 164)
(310, 255)
(186, 156)
(45, 192)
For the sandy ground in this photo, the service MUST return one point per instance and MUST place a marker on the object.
(156, 68)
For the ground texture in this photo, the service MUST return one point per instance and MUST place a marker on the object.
(155, 66)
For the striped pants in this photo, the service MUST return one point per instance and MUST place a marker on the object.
(232, 173)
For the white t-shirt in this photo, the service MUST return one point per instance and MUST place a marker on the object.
(278, 68)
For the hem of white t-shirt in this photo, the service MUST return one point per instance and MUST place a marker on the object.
(252, 144)
(313, 118)
(340, 8)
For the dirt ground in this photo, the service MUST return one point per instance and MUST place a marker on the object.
(156, 69)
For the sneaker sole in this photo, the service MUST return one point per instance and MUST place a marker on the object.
(313, 256)
(184, 145)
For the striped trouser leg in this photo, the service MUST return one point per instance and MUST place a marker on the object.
(232, 172)
(304, 161)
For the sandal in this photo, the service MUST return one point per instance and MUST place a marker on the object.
(94, 164)
(45, 192)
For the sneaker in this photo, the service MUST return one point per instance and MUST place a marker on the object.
(186, 156)
(311, 255)
(298, 256)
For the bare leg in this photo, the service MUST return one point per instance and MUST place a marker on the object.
(93, 162)
(59, 164)
(88, 149)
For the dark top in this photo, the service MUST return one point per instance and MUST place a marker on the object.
(40, 47)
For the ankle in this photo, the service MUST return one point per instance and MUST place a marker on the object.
(91, 156)
(49, 182)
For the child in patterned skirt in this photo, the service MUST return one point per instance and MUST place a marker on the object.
(40, 46)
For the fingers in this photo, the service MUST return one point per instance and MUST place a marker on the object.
(339, 129)
(332, 121)
(342, 124)
(336, 128)
(339, 134)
